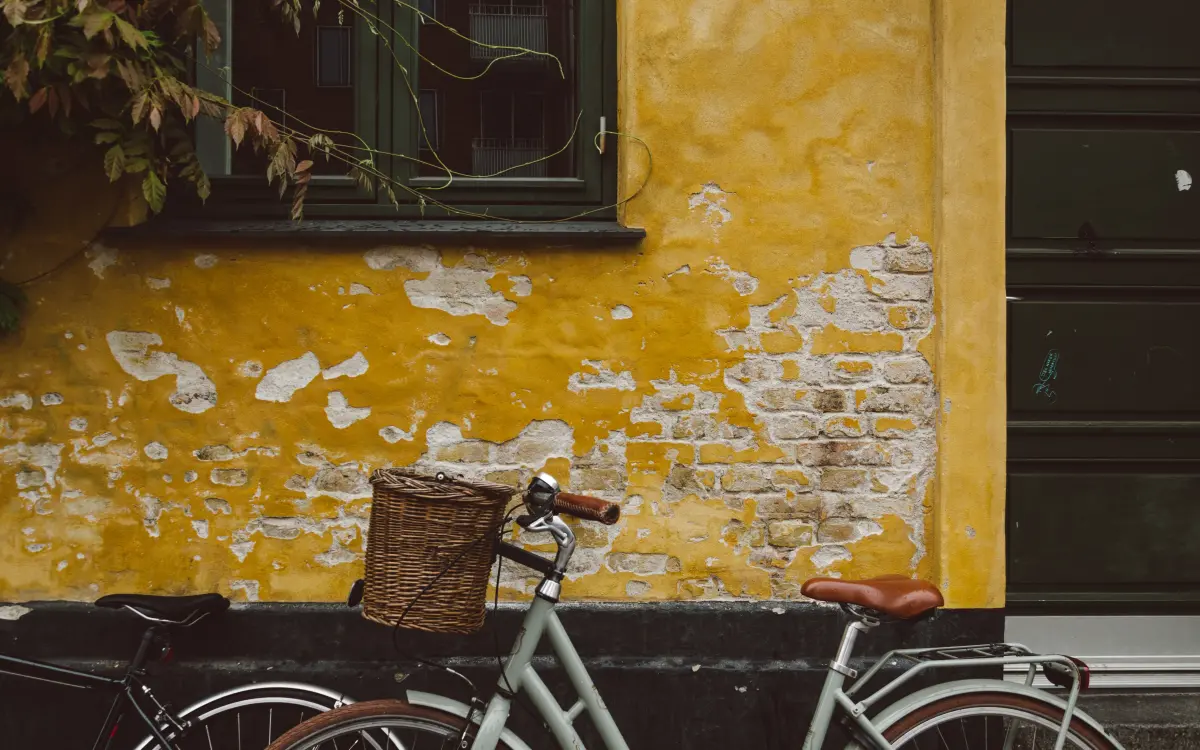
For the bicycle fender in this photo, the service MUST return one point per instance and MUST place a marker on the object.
(905, 706)
(450, 706)
(324, 694)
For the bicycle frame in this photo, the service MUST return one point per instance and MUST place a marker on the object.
(542, 622)
(127, 688)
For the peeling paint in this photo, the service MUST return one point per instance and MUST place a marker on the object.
(18, 400)
(194, 392)
(350, 368)
(13, 612)
(282, 381)
(158, 284)
(621, 312)
(156, 451)
(102, 258)
(206, 260)
(341, 414)
(711, 200)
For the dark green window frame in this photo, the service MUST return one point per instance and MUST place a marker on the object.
(386, 118)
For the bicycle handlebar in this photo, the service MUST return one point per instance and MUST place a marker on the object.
(587, 508)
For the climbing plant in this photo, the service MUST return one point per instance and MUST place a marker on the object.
(116, 71)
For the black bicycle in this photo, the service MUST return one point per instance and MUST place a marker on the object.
(249, 717)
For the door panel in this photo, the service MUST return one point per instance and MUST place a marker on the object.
(1125, 183)
(1104, 317)
(1105, 33)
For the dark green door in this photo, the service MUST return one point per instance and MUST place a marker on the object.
(1104, 315)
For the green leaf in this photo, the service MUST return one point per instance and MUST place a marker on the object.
(107, 136)
(93, 20)
(129, 34)
(105, 123)
(154, 191)
(114, 163)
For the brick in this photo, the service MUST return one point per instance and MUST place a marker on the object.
(794, 427)
(910, 259)
(907, 370)
(843, 480)
(837, 530)
(636, 562)
(853, 369)
(593, 479)
(834, 340)
(789, 533)
(690, 479)
(756, 370)
(470, 452)
(843, 453)
(892, 427)
(896, 399)
(757, 534)
(906, 317)
(829, 400)
(644, 429)
(590, 535)
(781, 342)
(746, 479)
(510, 477)
(794, 478)
(721, 453)
(788, 506)
(843, 427)
(695, 427)
(780, 399)
(893, 286)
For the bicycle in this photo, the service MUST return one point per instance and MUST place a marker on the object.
(246, 717)
(982, 712)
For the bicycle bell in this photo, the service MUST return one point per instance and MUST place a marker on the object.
(539, 498)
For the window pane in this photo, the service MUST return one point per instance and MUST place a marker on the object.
(503, 107)
(302, 81)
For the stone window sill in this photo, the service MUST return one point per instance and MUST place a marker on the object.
(415, 232)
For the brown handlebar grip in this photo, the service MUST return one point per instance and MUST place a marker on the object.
(587, 508)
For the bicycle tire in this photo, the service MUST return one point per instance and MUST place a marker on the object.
(253, 713)
(906, 733)
(320, 732)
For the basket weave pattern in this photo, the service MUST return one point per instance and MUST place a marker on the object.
(429, 550)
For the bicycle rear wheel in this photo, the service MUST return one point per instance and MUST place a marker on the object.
(247, 718)
(982, 721)
(380, 725)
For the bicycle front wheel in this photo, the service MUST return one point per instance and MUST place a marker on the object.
(980, 721)
(380, 725)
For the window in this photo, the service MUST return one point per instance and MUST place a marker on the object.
(470, 109)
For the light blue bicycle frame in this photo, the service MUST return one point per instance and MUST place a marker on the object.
(541, 621)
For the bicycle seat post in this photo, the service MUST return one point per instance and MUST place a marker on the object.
(151, 640)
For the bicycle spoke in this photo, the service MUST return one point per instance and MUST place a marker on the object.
(943, 738)
(208, 733)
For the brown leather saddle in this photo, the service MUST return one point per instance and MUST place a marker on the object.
(895, 596)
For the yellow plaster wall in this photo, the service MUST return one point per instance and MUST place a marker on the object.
(784, 135)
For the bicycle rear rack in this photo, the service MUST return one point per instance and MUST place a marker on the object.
(917, 661)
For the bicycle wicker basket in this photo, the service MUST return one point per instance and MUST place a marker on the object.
(429, 550)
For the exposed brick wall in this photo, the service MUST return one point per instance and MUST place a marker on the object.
(843, 435)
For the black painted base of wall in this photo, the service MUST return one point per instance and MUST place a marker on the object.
(760, 665)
